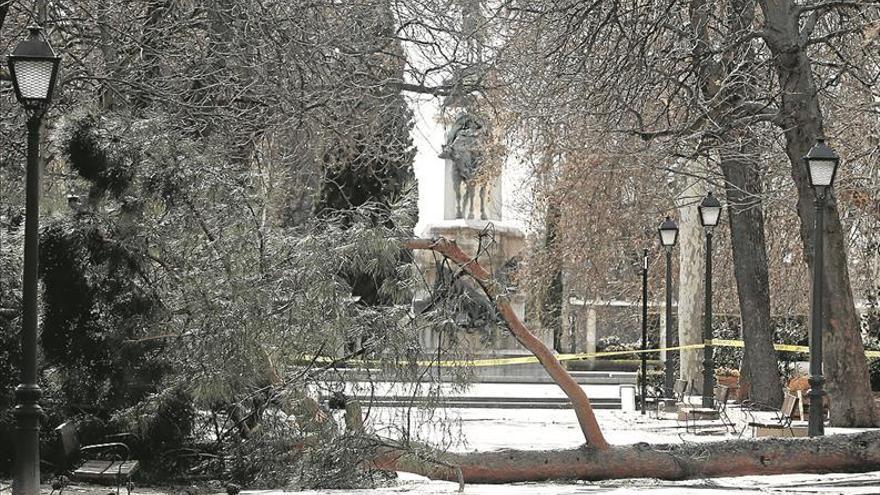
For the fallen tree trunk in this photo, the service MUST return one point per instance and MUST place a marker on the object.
(835, 453)
(579, 400)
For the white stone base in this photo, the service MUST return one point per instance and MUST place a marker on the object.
(509, 242)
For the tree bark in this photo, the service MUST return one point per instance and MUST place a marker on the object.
(579, 400)
(760, 369)
(845, 366)
(691, 285)
(836, 453)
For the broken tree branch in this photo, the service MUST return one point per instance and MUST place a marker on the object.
(579, 400)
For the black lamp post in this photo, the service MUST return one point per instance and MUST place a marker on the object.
(822, 164)
(644, 355)
(710, 213)
(668, 238)
(34, 69)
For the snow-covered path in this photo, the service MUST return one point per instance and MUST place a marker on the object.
(492, 429)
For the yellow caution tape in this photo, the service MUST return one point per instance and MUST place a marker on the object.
(778, 347)
(589, 355)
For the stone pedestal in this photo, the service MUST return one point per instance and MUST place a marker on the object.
(503, 243)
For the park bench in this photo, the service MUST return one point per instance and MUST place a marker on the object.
(782, 426)
(106, 462)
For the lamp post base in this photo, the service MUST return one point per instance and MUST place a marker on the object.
(817, 413)
(28, 414)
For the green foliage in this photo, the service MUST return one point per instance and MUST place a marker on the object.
(93, 306)
(338, 463)
(185, 300)
(9, 378)
(370, 167)
(228, 310)
(160, 423)
(91, 158)
(727, 328)
(552, 294)
(266, 459)
(612, 343)
(874, 372)
(11, 241)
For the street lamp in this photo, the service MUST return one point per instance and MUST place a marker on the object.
(668, 237)
(644, 355)
(34, 69)
(822, 164)
(710, 213)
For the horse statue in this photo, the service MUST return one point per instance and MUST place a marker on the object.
(464, 147)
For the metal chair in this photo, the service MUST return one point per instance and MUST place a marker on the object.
(679, 389)
(691, 415)
(102, 463)
(782, 426)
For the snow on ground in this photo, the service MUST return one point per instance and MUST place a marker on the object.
(492, 429)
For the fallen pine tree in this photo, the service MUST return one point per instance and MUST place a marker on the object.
(857, 452)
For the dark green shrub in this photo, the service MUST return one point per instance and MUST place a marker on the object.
(613, 344)
(9, 378)
(160, 425)
(10, 325)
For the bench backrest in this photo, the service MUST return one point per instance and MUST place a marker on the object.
(722, 392)
(680, 388)
(788, 404)
(68, 438)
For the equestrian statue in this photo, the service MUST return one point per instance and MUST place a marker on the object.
(464, 148)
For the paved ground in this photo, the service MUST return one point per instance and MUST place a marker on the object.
(843, 484)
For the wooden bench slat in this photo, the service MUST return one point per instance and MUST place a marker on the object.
(94, 466)
(785, 432)
(97, 470)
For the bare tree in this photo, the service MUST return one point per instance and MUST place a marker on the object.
(693, 78)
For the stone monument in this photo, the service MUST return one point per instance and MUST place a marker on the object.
(473, 216)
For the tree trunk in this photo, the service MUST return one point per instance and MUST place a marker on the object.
(579, 400)
(551, 309)
(845, 366)
(691, 283)
(837, 453)
(760, 369)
